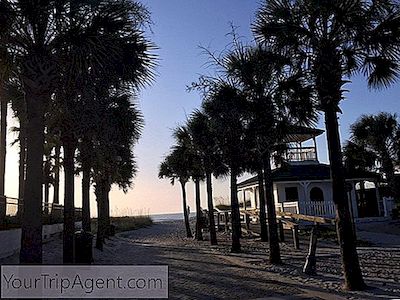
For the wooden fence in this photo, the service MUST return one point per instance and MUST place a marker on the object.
(317, 208)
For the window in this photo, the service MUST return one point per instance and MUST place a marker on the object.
(316, 194)
(291, 194)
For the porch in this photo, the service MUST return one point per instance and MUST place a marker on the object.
(315, 198)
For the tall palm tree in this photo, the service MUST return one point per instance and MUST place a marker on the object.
(85, 149)
(113, 161)
(5, 74)
(15, 94)
(274, 91)
(3, 152)
(226, 107)
(47, 176)
(52, 41)
(357, 157)
(206, 146)
(329, 40)
(378, 135)
(185, 139)
(120, 59)
(176, 166)
(29, 36)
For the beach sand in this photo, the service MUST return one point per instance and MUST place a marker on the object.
(200, 271)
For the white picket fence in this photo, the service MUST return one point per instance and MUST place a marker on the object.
(316, 208)
(292, 207)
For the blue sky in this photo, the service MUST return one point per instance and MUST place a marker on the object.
(180, 27)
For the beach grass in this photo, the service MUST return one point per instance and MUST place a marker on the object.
(126, 223)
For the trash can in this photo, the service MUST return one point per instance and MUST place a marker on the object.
(83, 247)
(395, 213)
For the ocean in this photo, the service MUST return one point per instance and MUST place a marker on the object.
(157, 218)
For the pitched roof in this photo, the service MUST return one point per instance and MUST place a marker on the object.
(300, 134)
(307, 172)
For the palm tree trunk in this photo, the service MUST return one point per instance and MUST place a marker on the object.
(263, 217)
(3, 150)
(106, 207)
(388, 170)
(69, 207)
(56, 196)
(31, 227)
(235, 214)
(22, 167)
(274, 251)
(46, 177)
(86, 195)
(185, 211)
(210, 204)
(351, 267)
(100, 216)
(46, 197)
(198, 234)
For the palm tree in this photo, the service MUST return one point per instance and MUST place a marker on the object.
(226, 107)
(3, 151)
(329, 40)
(56, 171)
(274, 91)
(206, 146)
(53, 131)
(120, 59)
(54, 39)
(357, 157)
(185, 139)
(176, 167)
(113, 161)
(15, 95)
(47, 176)
(85, 149)
(5, 73)
(378, 135)
(29, 36)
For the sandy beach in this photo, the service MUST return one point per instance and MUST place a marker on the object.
(200, 271)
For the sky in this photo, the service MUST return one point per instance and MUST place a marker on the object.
(179, 29)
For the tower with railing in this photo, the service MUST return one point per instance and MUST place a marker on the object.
(301, 145)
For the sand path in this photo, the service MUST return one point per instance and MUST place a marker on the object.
(199, 271)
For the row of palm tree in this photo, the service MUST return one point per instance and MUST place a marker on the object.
(331, 41)
(306, 51)
(73, 67)
(243, 121)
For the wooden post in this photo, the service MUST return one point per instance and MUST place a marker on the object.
(218, 220)
(281, 232)
(378, 198)
(247, 221)
(295, 230)
(226, 222)
(310, 265)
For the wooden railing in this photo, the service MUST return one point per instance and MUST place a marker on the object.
(319, 208)
(292, 207)
(301, 154)
(13, 204)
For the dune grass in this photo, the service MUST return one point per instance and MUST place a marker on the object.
(126, 223)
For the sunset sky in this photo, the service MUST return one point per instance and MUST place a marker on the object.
(180, 27)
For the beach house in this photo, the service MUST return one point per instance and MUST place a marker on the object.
(303, 185)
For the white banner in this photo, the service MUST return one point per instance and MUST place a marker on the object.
(84, 281)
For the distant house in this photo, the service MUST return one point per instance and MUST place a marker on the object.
(303, 185)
